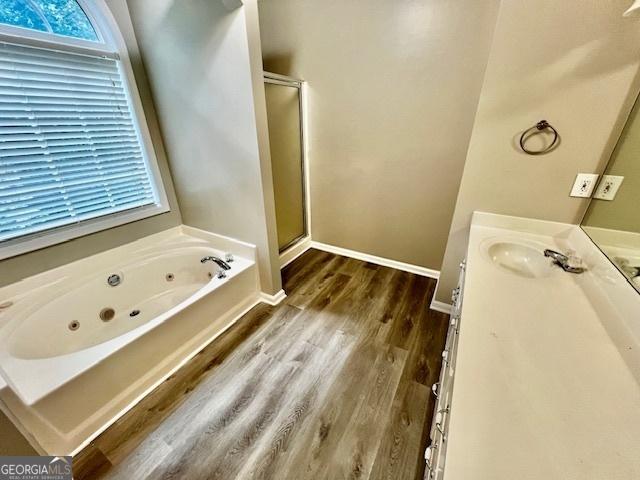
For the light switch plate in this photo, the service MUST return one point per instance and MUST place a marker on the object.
(584, 185)
(608, 187)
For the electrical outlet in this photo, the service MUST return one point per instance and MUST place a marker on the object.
(608, 187)
(584, 185)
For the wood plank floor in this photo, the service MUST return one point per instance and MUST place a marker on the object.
(333, 383)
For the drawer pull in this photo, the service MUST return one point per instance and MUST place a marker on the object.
(455, 323)
(440, 422)
(428, 456)
(428, 472)
(454, 294)
(428, 453)
(434, 389)
(445, 357)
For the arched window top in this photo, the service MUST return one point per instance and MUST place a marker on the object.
(59, 17)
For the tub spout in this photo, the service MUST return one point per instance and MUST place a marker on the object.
(221, 263)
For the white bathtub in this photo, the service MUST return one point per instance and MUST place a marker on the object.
(68, 372)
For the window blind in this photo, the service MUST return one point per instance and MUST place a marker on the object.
(69, 147)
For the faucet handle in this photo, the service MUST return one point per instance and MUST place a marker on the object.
(573, 260)
(228, 257)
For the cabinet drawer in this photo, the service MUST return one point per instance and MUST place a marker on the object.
(436, 453)
(434, 460)
(444, 388)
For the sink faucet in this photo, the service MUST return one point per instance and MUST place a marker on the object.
(563, 261)
(221, 263)
(631, 271)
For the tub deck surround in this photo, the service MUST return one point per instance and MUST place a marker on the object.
(332, 383)
(68, 373)
(548, 368)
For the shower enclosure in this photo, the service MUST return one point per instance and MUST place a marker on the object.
(284, 97)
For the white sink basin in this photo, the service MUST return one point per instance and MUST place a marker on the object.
(520, 259)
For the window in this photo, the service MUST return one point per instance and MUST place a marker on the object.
(74, 158)
(62, 17)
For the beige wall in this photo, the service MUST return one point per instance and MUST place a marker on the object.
(393, 88)
(202, 67)
(622, 213)
(22, 266)
(573, 63)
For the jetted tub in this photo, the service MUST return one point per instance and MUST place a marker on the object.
(80, 346)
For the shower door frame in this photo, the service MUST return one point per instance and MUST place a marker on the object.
(284, 80)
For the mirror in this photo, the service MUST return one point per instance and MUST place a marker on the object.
(614, 224)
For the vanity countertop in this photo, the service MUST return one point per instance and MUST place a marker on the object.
(547, 380)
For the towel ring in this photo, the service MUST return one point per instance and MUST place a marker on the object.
(541, 125)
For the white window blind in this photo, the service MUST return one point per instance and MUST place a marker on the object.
(69, 147)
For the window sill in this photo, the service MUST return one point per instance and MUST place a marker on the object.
(30, 243)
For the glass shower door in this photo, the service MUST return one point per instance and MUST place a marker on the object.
(287, 161)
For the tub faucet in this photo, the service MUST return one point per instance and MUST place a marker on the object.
(221, 263)
(565, 262)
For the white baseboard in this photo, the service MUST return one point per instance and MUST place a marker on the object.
(273, 299)
(441, 307)
(385, 262)
(293, 252)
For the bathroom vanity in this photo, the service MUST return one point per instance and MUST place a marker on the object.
(541, 369)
